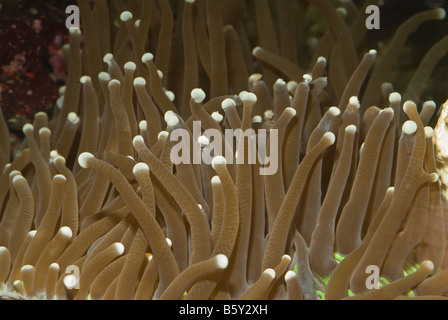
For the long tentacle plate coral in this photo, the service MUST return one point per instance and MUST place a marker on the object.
(197, 152)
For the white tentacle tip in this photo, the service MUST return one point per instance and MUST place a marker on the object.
(290, 275)
(322, 59)
(227, 103)
(218, 160)
(83, 158)
(126, 16)
(85, 79)
(73, 118)
(130, 66)
(409, 127)
(216, 180)
(395, 97)
(270, 272)
(203, 141)
(430, 105)
(307, 78)
(350, 129)
(75, 31)
(169, 242)
(138, 142)
(140, 167)
(222, 261)
(171, 119)
(247, 97)
(279, 82)
(114, 83)
(257, 119)
(335, 111)
(28, 128)
(329, 137)
(27, 267)
(434, 177)
(44, 131)
(163, 135)
(143, 125)
(291, 111)
(217, 116)
(119, 248)
(108, 57)
(441, 13)
(427, 264)
(409, 105)
(147, 57)
(54, 266)
(354, 101)
(139, 81)
(70, 281)
(256, 50)
(104, 76)
(170, 95)
(66, 232)
(198, 95)
(18, 179)
(429, 132)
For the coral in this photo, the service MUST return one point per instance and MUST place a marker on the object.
(96, 204)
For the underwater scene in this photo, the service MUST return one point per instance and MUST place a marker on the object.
(223, 150)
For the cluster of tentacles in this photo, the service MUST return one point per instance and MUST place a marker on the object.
(93, 206)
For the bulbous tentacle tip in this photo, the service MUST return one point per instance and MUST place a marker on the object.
(148, 56)
(427, 265)
(130, 66)
(335, 111)
(138, 142)
(85, 79)
(409, 127)
(351, 129)
(218, 160)
(247, 96)
(221, 261)
(139, 81)
(290, 275)
(395, 97)
(433, 177)
(83, 159)
(256, 50)
(216, 180)
(228, 103)
(409, 106)
(126, 16)
(118, 247)
(140, 167)
(28, 128)
(163, 135)
(198, 95)
(270, 273)
(329, 138)
(66, 232)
